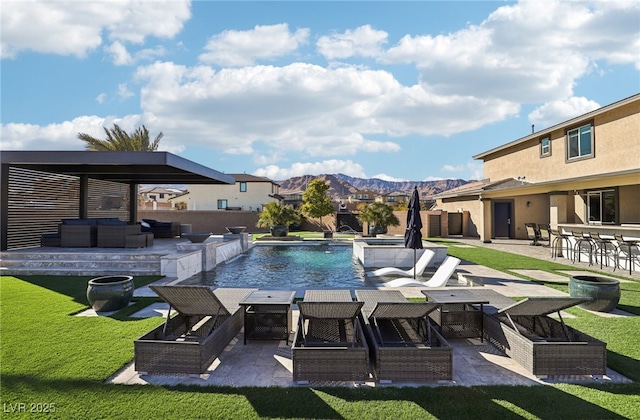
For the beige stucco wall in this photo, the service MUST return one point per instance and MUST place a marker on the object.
(205, 197)
(471, 226)
(617, 148)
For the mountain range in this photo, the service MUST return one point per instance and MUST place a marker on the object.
(341, 185)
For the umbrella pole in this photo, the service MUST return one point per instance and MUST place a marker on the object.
(414, 263)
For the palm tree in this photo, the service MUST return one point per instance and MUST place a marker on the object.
(119, 140)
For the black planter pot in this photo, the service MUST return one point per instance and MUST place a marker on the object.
(604, 292)
(110, 293)
(279, 231)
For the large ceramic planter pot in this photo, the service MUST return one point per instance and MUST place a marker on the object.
(110, 293)
(279, 231)
(605, 292)
(377, 230)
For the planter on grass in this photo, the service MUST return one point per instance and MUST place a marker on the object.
(110, 293)
(604, 292)
(279, 231)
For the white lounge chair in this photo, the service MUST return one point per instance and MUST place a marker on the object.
(439, 278)
(419, 268)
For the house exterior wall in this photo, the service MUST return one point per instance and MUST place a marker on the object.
(616, 134)
(205, 197)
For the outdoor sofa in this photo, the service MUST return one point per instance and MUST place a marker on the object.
(404, 344)
(83, 232)
(329, 343)
(161, 229)
(190, 341)
(543, 345)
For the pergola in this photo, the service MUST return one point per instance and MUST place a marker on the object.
(129, 168)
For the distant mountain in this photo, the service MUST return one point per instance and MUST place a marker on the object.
(340, 185)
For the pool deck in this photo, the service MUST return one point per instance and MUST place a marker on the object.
(268, 363)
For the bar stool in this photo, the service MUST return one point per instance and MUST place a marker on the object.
(582, 238)
(631, 244)
(606, 248)
(560, 238)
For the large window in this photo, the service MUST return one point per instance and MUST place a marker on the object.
(602, 206)
(222, 204)
(243, 187)
(580, 142)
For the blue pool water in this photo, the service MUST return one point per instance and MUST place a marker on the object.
(290, 267)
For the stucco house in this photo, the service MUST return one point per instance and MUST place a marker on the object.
(249, 193)
(582, 171)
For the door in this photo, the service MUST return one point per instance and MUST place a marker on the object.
(502, 220)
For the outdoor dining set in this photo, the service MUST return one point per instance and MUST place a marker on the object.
(371, 335)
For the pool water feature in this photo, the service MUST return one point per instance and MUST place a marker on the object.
(288, 267)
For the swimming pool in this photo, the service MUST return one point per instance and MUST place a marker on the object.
(288, 267)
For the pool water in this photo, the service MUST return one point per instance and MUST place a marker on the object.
(289, 267)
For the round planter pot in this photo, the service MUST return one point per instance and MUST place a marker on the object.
(197, 237)
(605, 292)
(236, 229)
(279, 231)
(110, 293)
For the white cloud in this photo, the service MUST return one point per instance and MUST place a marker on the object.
(64, 136)
(531, 51)
(101, 98)
(556, 112)
(363, 41)
(303, 108)
(119, 54)
(56, 28)
(390, 178)
(124, 92)
(244, 48)
(332, 166)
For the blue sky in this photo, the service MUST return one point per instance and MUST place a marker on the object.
(394, 90)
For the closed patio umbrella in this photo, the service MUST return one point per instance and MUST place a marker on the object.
(413, 235)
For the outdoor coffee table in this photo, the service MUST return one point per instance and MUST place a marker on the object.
(457, 317)
(267, 315)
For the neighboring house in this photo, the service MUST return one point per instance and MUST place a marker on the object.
(293, 198)
(585, 170)
(157, 197)
(249, 193)
(393, 198)
(363, 196)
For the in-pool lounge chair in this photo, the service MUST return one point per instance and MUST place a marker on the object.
(190, 341)
(404, 345)
(329, 343)
(419, 268)
(439, 278)
(543, 345)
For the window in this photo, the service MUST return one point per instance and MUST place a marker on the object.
(391, 198)
(545, 147)
(243, 187)
(580, 142)
(161, 195)
(602, 206)
(222, 204)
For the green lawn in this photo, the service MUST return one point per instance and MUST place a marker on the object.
(50, 357)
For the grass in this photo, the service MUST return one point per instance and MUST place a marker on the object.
(51, 357)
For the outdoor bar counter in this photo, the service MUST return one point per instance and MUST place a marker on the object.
(631, 230)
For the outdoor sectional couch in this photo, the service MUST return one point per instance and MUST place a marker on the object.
(161, 229)
(83, 232)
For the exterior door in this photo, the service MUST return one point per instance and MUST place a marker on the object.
(502, 220)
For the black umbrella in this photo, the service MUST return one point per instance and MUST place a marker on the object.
(413, 236)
